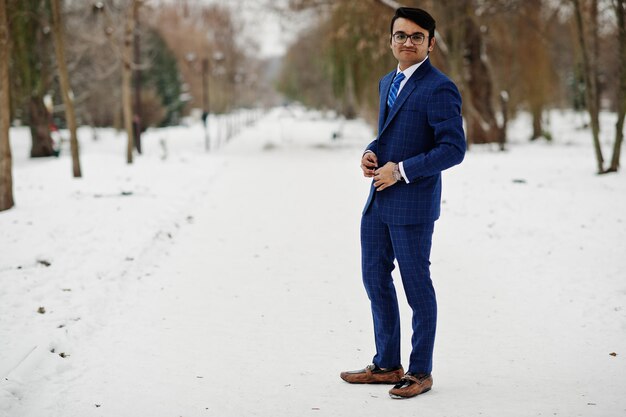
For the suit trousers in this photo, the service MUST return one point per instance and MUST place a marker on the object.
(410, 245)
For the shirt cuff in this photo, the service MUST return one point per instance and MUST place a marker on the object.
(401, 166)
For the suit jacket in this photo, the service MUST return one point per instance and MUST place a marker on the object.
(424, 130)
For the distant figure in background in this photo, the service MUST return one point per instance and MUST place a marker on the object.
(420, 134)
(55, 139)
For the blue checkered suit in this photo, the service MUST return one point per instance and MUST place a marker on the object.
(424, 130)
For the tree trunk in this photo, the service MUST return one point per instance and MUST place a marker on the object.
(39, 120)
(595, 53)
(620, 11)
(537, 113)
(590, 86)
(6, 178)
(127, 73)
(65, 84)
(482, 125)
(137, 120)
(534, 59)
(30, 79)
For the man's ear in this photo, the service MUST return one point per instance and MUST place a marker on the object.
(432, 44)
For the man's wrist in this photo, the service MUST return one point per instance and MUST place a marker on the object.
(396, 173)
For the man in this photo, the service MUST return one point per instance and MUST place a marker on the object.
(420, 134)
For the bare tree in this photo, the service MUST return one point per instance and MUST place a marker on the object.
(127, 75)
(591, 87)
(6, 179)
(535, 59)
(620, 12)
(31, 75)
(59, 44)
(482, 124)
(126, 56)
(195, 32)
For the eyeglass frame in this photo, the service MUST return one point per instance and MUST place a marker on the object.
(423, 38)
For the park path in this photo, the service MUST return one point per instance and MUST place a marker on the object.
(257, 305)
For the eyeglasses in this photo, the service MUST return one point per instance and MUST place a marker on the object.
(417, 38)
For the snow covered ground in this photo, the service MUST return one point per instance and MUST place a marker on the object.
(228, 283)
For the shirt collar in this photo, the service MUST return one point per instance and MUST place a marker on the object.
(410, 70)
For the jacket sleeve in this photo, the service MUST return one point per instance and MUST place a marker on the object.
(444, 117)
(372, 146)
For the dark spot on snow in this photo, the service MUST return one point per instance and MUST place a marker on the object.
(519, 181)
(44, 262)
(126, 193)
(41, 310)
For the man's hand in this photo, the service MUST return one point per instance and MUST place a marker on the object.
(369, 163)
(383, 177)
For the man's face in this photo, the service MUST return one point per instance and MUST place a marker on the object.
(407, 53)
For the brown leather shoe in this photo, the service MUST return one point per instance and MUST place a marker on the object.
(372, 374)
(411, 385)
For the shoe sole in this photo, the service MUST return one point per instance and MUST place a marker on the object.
(372, 383)
(399, 397)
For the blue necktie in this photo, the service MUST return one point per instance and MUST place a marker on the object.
(393, 91)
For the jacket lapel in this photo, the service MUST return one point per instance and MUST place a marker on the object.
(404, 94)
(385, 85)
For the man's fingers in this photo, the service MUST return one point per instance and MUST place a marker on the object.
(370, 157)
(367, 171)
(381, 183)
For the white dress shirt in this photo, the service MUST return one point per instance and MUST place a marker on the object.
(407, 74)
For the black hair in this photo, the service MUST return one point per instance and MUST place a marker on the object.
(417, 16)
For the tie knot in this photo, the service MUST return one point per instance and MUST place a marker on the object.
(398, 78)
